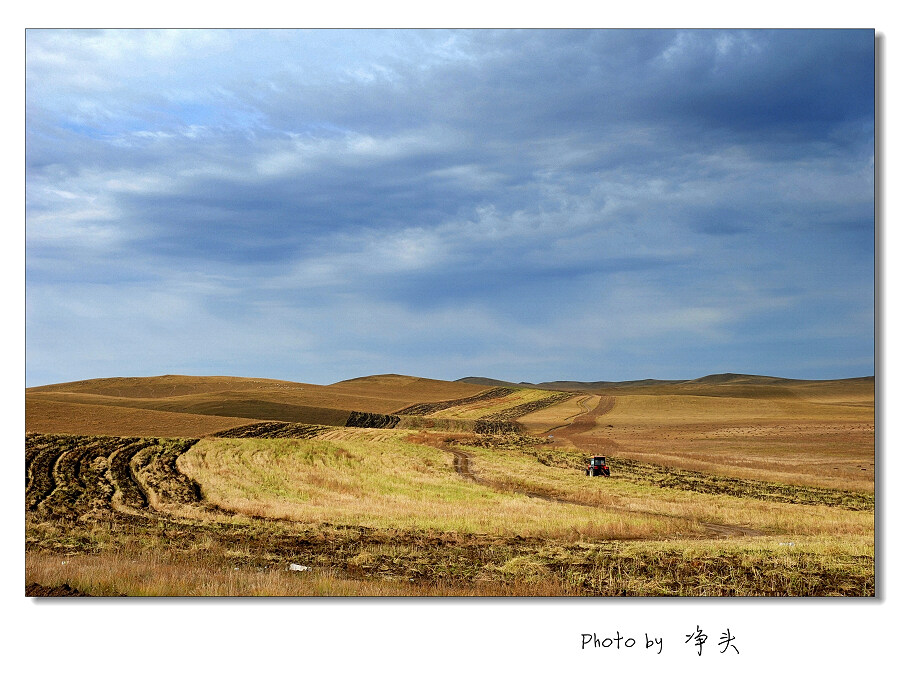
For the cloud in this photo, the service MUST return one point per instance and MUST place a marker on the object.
(557, 202)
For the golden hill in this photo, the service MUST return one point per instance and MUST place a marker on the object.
(170, 405)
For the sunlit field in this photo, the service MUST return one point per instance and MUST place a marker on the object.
(709, 495)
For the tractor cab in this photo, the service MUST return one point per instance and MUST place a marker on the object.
(597, 466)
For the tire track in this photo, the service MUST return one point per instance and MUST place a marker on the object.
(461, 464)
(581, 432)
(581, 404)
(586, 422)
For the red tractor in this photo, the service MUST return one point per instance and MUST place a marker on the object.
(597, 466)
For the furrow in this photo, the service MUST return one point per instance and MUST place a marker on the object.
(128, 491)
(426, 408)
(42, 480)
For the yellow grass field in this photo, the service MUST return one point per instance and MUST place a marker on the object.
(763, 487)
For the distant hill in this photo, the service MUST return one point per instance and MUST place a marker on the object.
(713, 385)
(751, 379)
(479, 380)
(188, 406)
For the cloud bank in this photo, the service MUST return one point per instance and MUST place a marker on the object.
(527, 205)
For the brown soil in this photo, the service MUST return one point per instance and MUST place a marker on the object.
(461, 464)
(584, 423)
(37, 590)
(274, 429)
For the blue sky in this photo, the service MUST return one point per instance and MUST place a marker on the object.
(526, 205)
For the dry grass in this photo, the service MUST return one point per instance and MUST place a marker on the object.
(645, 498)
(161, 573)
(723, 568)
(393, 483)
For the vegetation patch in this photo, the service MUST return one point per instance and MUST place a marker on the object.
(403, 562)
(494, 426)
(528, 407)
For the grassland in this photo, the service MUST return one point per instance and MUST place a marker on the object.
(709, 495)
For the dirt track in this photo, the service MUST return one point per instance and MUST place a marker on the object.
(461, 464)
(582, 404)
(585, 422)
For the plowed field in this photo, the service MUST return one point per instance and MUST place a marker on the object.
(78, 477)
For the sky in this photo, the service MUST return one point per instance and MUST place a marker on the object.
(527, 205)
